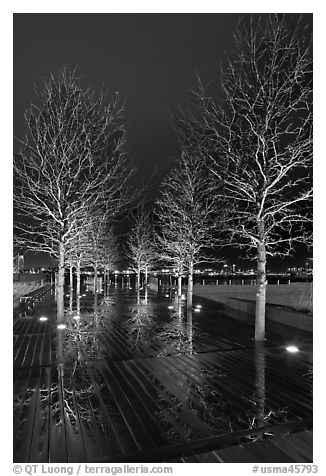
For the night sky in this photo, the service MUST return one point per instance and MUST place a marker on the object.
(151, 59)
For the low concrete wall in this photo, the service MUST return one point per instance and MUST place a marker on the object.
(285, 302)
(245, 310)
(297, 296)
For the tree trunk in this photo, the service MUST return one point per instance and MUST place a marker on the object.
(71, 276)
(60, 287)
(179, 285)
(78, 303)
(138, 278)
(260, 385)
(95, 279)
(146, 276)
(105, 281)
(190, 284)
(189, 330)
(261, 292)
(78, 279)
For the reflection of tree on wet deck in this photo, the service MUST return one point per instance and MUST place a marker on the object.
(131, 375)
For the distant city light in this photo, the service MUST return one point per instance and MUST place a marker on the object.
(43, 318)
(167, 295)
(170, 307)
(84, 295)
(292, 349)
(198, 305)
(61, 326)
(197, 309)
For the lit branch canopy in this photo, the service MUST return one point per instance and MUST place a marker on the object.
(259, 141)
(71, 160)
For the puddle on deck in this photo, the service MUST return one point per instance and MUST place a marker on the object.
(130, 373)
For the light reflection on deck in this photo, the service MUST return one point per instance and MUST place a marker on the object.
(132, 375)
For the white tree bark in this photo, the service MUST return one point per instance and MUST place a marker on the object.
(60, 285)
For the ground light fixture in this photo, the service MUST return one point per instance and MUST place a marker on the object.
(61, 326)
(197, 309)
(292, 348)
(43, 318)
(167, 295)
(198, 306)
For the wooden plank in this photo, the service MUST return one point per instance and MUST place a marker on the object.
(25, 419)
(134, 423)
(17, 347)
(209, 457)
(57, 430)
(240, 399)
(33, 347)
(73, 429)
(293, 449)
(160, 403)
(28, 351)
(235, 454)
(242, 378)
(248, 362)
(214, 443)
(265, 452)
(140, 401)
(303, 440)
(85, 438)
(39, 452)
(166, 377)
(189, 378)
(107, 411)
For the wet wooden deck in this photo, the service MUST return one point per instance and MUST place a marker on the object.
(292, 448)
(139, 380)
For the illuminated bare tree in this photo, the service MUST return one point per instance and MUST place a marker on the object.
(259, 143)
(72, 156)
(188, 217)
(79, 249)
(140, 244)
(96, 252)
(111, 255)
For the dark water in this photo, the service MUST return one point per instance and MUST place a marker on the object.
(133, 371)
(234, 280)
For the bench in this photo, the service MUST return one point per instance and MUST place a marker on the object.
(35, 295)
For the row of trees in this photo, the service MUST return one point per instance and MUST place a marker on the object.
(71, 175)
(243, 178)
(245, 175)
